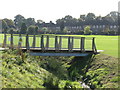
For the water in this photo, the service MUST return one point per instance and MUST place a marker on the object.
(84, 85)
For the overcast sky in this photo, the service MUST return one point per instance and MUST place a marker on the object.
(47, 10)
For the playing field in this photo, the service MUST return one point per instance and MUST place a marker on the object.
(107, 43)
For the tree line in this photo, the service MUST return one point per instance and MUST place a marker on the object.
(23, 25)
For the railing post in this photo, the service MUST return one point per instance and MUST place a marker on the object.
(56, 43)
(42, 43)
(27, 42)
(72, 43)
(4, 42)
(60, 42)
(11, 41)
(47, 43)
(69, 45)
(34, 41)
(20, 41)
(82, 44)
(93, 45)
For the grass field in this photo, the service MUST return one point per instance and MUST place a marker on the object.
(107, 43)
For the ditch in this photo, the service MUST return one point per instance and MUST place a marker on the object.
(98, 71)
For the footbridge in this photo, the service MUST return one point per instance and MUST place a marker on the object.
(51, 45)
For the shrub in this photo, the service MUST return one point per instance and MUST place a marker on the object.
(87, 30)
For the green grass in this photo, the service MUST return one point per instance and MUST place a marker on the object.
(32, 72)
(107, 43)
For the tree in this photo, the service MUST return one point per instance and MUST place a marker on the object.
(44, 29)
(66, 30)
(32, 29)
(62, 26)
(19, 19)
(83, 17)
(9, 22)
(30, 21)
(36, 29)
(4, 26)
(68, 21)
(109, 19)
(40, 21)
(90, 16)
(114, 15)
(106, 30)
(23, 28)
(87, 30)
(11, 30)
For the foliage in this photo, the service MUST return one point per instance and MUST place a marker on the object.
(32, 29)
(103, 72)
(62, 26)
(4, 26)
(69, 84)
(106, 31)
(66, 30)
(90, 16)
(9, 22)
(17, 72)
(19, 19)
(11, 30)
(112, 32)
(87, 30)
(44, 29)
(30, 21)
(21, 68)
(67, 21)
(23, 28)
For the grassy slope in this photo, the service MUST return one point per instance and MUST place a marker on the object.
(24, 71)
(103, 72)
(44, 72)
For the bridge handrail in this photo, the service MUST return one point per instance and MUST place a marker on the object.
(57, 45)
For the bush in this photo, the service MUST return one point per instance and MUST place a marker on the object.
(87, 30)
(112, 32)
